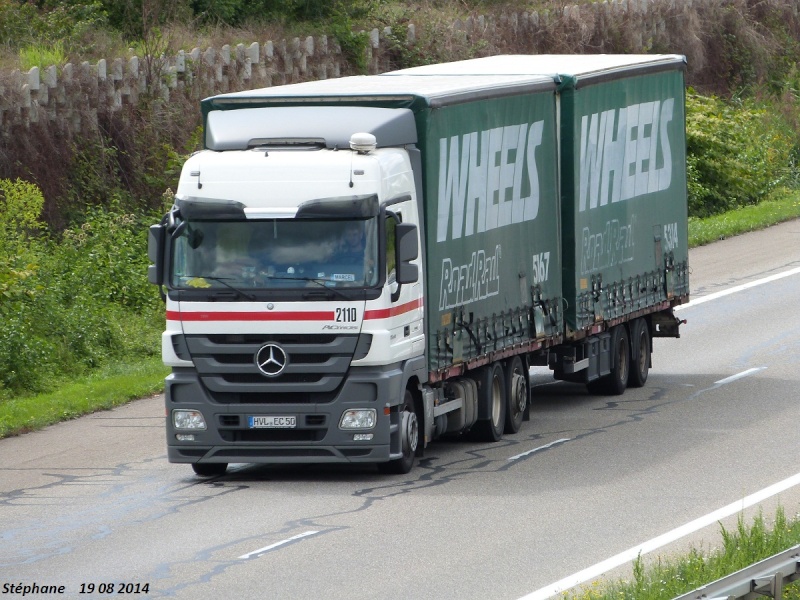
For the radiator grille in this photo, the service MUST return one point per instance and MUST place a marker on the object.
(316, 367)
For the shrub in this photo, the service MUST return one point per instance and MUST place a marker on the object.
(107, 258)
(19, 213)
(82, 299)
(70, 24)
(737, 153)
(21, 205)
(17, 23)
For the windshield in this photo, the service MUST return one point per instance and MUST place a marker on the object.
(273, 254)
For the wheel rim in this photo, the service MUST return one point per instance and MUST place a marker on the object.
(520, 389)
(411, 429)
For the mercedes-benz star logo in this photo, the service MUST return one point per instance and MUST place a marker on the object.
(271, 360)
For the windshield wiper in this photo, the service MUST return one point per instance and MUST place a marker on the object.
(223, 281)
(320, 282)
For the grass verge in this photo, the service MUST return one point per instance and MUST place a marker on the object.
(102, 390)
(782, 206)
(667, 579)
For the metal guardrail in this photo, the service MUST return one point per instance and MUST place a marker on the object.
(764, 579)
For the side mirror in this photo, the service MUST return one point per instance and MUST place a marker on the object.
(407, 248)
(155, 252)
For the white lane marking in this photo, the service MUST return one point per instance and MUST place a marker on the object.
(545, 447)
(662, 540)
(739, 288)
(277, 544)
(739, 375)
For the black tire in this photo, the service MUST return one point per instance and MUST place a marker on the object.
(409, 435)
(614, 383)
(640, 353)
(517, 390)
(491, 400)
(209, 469)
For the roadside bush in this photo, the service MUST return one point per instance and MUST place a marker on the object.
(20, 210)
(738, 152)
(79, 301)
(21, 204)
(17, 23)
(238, 12)
(24, 357)
(28, 25)
(107, 258)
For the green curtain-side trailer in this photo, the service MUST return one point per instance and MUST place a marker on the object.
(493, 228)
(623, 234)
(623, 194)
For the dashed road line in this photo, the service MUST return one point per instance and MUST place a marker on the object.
(271, 547)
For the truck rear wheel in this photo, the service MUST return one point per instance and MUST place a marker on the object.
(615, 382)
(209, 469)
(491, 401)
(640, 353)
(409, 437)
(517, 390)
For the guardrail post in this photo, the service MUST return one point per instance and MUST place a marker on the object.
(771, 587)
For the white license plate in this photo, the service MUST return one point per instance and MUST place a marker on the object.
(272, 422)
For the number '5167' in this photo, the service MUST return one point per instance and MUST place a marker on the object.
(541, 267)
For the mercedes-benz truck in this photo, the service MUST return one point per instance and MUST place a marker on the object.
(354, 267)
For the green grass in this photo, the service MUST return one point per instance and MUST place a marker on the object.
(102, 390)
(782, 206)
(42, 56)
(666, 579)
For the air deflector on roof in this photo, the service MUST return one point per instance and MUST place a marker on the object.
(332, 126)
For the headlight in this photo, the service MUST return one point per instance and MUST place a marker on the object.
(358, 418)
(188, 419)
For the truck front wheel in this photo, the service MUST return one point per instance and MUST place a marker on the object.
(409, 437)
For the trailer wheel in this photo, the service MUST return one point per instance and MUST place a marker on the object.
(209, 469)
(615, 382)
(517, 391)
(409, 436)
(640, 353)
(491, 399)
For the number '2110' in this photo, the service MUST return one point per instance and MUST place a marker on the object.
(346, 315)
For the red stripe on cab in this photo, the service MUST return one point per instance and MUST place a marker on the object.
(385, 313)
(173, 315)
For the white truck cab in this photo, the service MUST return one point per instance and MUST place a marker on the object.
(290, 313)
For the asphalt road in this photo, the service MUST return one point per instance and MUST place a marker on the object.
(591, 481)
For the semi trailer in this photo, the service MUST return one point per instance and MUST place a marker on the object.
(354, 267)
